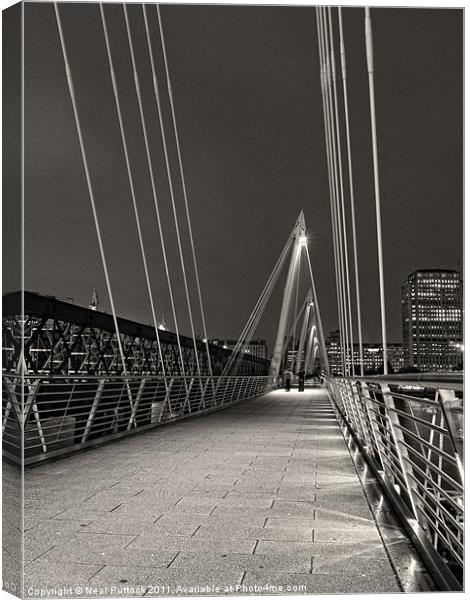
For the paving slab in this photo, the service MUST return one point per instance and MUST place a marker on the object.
(263, 493)
(54, 579)
(274, 583)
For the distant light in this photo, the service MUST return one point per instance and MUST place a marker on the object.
(204, 340)
(225, 347)
(408, 386)
(162, 327)
(303, 240)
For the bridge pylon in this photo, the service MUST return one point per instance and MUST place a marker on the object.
(298, 237)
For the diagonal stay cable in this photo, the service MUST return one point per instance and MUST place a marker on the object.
(337, 183)
(317, 311)
(330, 147)
(183, 182)
(154, 192)
(260, 304)
(351, 188)
(375, 161)
(131, 185)
(260, 307)
(323, 83)
(296, 303)
(266, 292)
(342, 211)
(335, 137)
(90, 191)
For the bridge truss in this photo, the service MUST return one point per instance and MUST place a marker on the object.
(64, 339)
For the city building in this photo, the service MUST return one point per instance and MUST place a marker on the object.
(432, 315)
(372, 356)
(255, 347)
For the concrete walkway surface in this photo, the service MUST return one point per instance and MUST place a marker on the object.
(259, 498)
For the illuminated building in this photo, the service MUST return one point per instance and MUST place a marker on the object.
(432, 320)
(371, 352)
(255, 347)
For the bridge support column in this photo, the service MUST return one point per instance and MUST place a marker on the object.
(310, 344)
(278, 351)
(303, 335)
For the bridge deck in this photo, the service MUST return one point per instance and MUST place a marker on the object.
(264, 493)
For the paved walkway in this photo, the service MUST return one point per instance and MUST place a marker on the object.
(263, 494)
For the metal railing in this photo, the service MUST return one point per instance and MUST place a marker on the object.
(412, 436)
(43, 417)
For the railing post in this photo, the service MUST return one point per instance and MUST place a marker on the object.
(234, 389)
(188, 393)
(13, 402)
(38, 425)
(359, 412)
(220, 385)
(31, 405)
(401, 451)
(347, 402)
(93, 410)
(243, 387)
(372, 422)
(226, 392)
(204, 392)
(166, 402)
(132, 418)
(452, 410)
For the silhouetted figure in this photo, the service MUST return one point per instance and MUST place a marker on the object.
(301, 376)
(288, 376)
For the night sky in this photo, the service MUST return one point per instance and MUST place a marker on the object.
(249, 108)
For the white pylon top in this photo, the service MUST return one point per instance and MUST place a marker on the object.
(300, 226)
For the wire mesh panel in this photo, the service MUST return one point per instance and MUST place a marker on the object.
(48, 416)
(413, 435)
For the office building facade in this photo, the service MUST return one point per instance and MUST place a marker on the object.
(372, 356)
(257, 348)
(432, 315)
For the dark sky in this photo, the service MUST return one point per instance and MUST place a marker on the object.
(248, 103)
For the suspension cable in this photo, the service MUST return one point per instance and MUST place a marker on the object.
(334, 177)
(131, 184)
(260, 304)
(258, 311)
(298, 313)
(330, 174)
(317, 312)
(306, 306)
(351, 188)
(340, 175)
(152, 181)
(296, 303)
(338, 182)
(90, 189)
(183, 182)
(370, 70)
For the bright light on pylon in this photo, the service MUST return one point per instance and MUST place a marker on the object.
(303, 240)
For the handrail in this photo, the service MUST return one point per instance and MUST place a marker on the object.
(49, 416)
(425, 380)
(415, 447)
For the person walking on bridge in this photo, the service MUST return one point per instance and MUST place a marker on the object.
(301, 378)
(288, 376)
